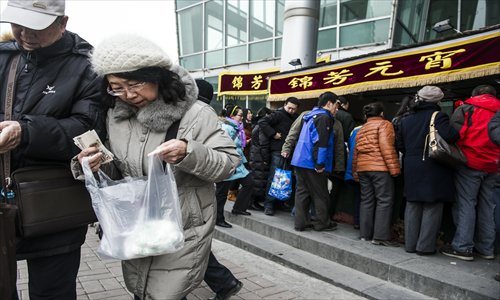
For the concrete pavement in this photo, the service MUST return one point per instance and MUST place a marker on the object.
(262, 278)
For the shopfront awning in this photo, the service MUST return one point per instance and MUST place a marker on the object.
(462, 58)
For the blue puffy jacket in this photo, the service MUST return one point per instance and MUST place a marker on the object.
(352, 143)
(231, 128)
(314, 149)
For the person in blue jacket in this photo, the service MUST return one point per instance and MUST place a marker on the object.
(350, 179)
(313, 160)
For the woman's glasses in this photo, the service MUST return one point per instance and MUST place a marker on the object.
(134, 88)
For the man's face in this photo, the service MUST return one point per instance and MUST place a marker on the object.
(290, 108)
(30, 39)
(332, 107)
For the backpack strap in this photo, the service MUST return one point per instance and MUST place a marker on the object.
(172, 131)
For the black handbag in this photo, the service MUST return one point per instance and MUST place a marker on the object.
(48, 198)
(441, 151)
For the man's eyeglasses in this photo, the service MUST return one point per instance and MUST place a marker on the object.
(134, 88)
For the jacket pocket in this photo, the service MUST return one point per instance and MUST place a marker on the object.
(192, 215)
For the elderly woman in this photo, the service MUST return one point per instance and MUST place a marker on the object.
(374, 163)
(428, 184)
(149, 95)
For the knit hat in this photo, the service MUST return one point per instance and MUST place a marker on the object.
(37, 15)
(206, 91)
(430, 93)
(126, 53)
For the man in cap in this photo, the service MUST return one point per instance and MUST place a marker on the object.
(56, 98)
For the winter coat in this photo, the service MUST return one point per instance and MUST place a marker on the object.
(258, 163)
(278, 121)
(471, 119)
(233, 131)
(425, 180)
(338, 140)
(347, 121)
(56, 98)
(314, 149)
(375, 151)
(211, 157)
(494, 128)
(352, 143)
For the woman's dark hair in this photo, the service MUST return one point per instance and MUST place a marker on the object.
(230, 110)
(373, 109)
(245, 114)
(262, 112)
(170, 87)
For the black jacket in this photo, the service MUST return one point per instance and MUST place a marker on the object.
(278, 121)
(425, 180)
(347, 121)
(56, 98)
(260, 157)
(494, 128)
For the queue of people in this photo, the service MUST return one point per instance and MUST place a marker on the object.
(134, 96)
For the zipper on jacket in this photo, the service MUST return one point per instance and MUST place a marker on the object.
(28, 58)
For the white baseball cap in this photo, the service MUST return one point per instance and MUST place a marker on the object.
(37, 15)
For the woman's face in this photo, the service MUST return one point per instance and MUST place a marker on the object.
(133, 92)
(238, 116)
(249, 115)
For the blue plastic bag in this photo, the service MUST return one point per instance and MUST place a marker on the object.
(281, 187)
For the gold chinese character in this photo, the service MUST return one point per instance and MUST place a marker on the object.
(237, 82)
(303, 82)
(382, 67)
(439, 59)
(257, 81)
(336, 78)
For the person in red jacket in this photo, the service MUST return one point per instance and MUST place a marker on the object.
(475, 181)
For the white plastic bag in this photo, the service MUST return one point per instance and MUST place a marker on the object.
(139, 216)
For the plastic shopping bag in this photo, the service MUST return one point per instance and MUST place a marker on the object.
(139, 216)
(281, 187)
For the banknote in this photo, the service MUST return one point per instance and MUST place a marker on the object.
(91, 139)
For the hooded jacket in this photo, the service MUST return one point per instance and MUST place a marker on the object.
(471, 120)
(56, 98)
(278, 121)
(314, 149)
(233, 131)
(211, 157)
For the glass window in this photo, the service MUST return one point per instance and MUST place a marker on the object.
(262, 17)
(440, 10)
(409, 21)
(236, 55)
(354, 10)
(479, 13)
(214, 27)
(364, 33)
(261, 50)
(277, 47)
(280, 9)
(214, 59)
(327, 39)
(255, 103)
(328, 13)
(236, 22)
(185, 3)
(193, 62)
(191, 30)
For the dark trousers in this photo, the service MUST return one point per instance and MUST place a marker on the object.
(377, 199)
(311, 186)
(217, 276)
(422, 223)
(243, 199)
(54, 277)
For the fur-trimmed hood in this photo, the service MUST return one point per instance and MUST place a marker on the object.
(158, 115)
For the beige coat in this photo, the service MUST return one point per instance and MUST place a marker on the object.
(211, 157)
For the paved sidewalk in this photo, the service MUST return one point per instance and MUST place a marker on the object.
(262, 279)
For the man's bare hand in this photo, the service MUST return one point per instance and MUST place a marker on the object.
(10, 135)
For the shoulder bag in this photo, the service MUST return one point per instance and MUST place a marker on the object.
(439, 150)
(48, 198)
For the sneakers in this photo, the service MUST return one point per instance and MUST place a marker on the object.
(385, 243)
(483, 256)
(449, 251)
(269, 212)
(226, 293)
